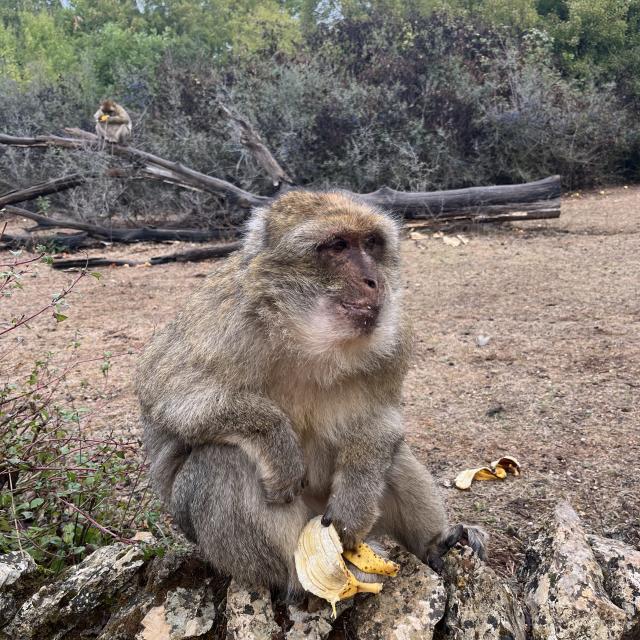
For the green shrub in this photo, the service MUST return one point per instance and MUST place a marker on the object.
(65, 491)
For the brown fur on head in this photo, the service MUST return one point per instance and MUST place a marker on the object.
(331, 265)
(108, 106)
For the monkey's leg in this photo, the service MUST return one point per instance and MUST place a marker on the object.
(218, 500)
(413, 513)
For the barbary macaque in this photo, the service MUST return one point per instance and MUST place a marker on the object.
(274, 396)
(112, 122)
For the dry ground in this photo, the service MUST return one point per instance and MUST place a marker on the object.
(558, 384)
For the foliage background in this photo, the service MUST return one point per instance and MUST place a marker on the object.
(420, 94)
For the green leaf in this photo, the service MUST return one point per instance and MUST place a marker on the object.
(36, 502)
(60, 317)
(96, 274)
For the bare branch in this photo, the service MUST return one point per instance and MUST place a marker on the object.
(253, 142)
(240, 197)
(124, 235)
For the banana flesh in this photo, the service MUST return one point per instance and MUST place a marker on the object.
(321, 568)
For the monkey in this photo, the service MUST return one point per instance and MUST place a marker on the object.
(112, 122)
(274, 396)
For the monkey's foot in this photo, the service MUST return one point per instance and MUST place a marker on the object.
(465, 535)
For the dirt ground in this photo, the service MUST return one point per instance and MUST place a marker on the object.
(557, 385)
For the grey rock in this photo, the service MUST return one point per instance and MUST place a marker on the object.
(190, 613)
(83, 597)
(479, 605)
(315, 621)
(620, 565)
(409, 606)
(249, 614)
(15, 569)
(125, 622)
(565, 585)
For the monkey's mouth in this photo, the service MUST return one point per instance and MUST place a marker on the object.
(363, 316)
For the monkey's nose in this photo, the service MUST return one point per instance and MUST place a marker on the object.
(372, 284)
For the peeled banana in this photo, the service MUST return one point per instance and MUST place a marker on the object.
(321, 568)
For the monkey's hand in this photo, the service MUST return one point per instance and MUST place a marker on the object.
(283, 471)
(353, 505)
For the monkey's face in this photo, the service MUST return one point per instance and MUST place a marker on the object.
(349, 263)
(326, 267)
(108, 107)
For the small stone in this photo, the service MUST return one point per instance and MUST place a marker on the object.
(408, 607)
(260, 624)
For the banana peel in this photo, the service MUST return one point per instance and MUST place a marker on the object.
(497, 471)
(322, 570)
(104, 118)
(508, 463)
(366, 559)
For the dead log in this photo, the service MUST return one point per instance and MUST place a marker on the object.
(42, 189)
(236, 195)
(524, 200)
(60, 241)
(527, 201)
(194, 255)
(138, 234)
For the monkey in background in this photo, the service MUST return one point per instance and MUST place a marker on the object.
(274, 396)
(112, 122)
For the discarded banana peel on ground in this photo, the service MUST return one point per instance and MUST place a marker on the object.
(497, 471)
(322, 569)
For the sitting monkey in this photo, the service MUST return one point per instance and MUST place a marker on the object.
(112, 122)
(274, 396)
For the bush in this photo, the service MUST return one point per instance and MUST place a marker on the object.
(64, 492)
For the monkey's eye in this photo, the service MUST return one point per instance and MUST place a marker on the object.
(373, 241)
(337, 245)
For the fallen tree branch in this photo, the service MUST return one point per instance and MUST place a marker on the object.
(473, 202)
(66, 241)
(42, 189)
(194, 255)
(236, 195)
(138, 234)
(251, 140)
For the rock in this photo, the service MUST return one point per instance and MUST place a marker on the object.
(565, 586)
(125, 622)
(409, 606)
(249, 614)
(479, 605)
(316, 621)
(186, 613)
(15, 569)
(83, 598)
(620, 565)
(315, 625)
(190, 612)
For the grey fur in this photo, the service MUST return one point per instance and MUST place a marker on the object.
(258, 413)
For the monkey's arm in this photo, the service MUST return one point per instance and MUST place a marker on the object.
(200, 413)
(359, 482)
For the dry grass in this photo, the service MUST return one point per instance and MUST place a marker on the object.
(560, 301)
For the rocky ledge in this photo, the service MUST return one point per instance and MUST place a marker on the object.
(575, 586)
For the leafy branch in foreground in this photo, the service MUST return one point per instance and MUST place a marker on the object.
(65, 491)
